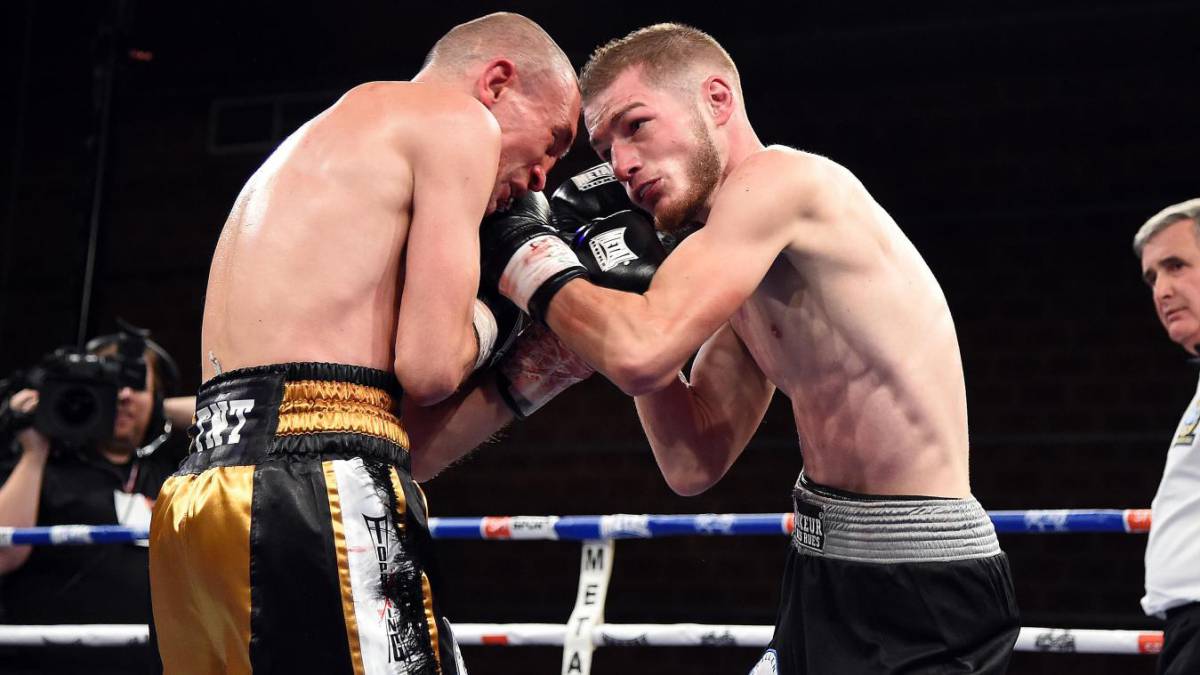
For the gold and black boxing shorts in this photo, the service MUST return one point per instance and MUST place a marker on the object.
(293, 538)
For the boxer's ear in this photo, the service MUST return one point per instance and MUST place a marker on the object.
(719, 98)
(497, 76)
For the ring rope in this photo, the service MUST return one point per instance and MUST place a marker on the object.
(630, 526)
(1031, 639)
(586, 628)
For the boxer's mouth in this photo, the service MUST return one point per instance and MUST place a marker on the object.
(642, 192)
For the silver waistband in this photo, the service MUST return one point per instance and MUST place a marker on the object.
(883, 530)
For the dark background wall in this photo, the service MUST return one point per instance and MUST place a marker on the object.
(1018, 145)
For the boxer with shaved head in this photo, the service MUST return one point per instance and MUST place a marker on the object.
(293, 538)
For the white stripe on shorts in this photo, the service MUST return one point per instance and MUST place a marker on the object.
(370, 545)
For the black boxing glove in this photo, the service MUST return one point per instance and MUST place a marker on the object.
(596, 193)
(621, 251)
(523, 256)
(586, 196)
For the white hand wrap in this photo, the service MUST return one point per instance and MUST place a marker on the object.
(536, 261)
(486, 331)
(540, 368)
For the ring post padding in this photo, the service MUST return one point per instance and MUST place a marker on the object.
(595, 571)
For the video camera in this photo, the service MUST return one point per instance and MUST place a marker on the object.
(77, 390)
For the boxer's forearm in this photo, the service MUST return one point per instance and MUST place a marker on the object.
(693, 451)
(698, 430)
(622, 335)
(442, 434)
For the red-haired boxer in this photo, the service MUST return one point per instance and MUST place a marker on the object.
(797, 280)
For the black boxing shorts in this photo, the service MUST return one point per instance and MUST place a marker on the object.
(885, 584)
(293, 538)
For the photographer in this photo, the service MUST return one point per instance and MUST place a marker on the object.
(75, 462)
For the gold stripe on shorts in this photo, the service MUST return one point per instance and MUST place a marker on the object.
(431, 620)
(343, 566)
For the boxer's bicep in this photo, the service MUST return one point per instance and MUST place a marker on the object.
(716, 269)
(453, 179)
(640, 342)
(698, 429)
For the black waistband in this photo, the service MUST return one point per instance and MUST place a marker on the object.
(320, 372)
(300, 411)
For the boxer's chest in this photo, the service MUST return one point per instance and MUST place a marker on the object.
(781, 325)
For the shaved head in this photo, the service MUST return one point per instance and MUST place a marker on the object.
(500, 35)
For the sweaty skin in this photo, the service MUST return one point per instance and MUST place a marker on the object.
(364, 217)
(799, 281)
(854, 329)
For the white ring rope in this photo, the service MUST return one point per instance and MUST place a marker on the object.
(1079, 641)
(587, 629)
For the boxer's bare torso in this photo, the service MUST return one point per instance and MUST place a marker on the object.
(798, 280)
(851, 325)
(311, 263)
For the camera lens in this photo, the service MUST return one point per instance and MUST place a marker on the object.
(76, 406)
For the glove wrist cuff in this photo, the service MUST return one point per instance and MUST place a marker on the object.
(542, 259)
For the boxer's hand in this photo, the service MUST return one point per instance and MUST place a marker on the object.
(621, 251)
(497, 324)
(538, 369)
(596, 193)
(589, 195)
(523, 256)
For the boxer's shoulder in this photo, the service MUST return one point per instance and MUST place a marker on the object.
(424, 112)
(773, 187)
(779, 166)
(803, 186)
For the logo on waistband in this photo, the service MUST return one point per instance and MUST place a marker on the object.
(220, 423)
(810, 527)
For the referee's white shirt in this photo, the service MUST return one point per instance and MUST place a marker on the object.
(1173, 550)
